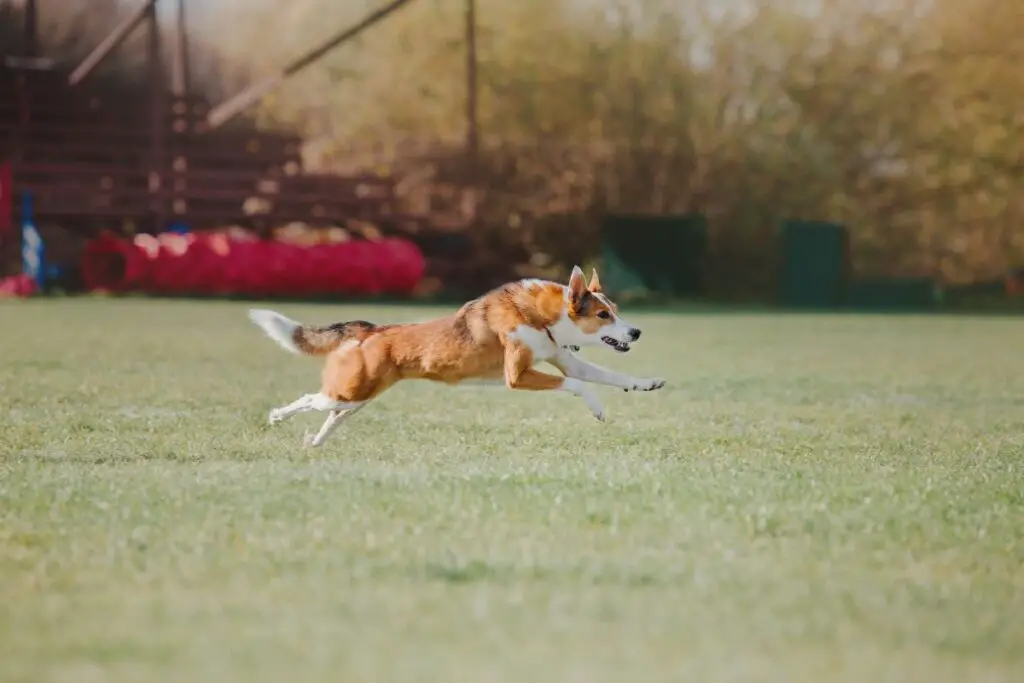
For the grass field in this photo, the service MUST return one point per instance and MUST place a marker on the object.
(812, 498)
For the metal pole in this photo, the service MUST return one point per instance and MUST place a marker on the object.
(181, 125)
(220, 114)
(180, 66)
(468, 204)
(158, 112)
(31, 28)
(113, 39)
(472, 131)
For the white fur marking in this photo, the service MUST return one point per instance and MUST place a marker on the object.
(535, 282)
(536, 340)
(566, 333)
(277, 327)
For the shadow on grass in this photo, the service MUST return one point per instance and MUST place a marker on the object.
(476, 571)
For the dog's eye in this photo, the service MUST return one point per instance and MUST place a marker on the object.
(604, 315)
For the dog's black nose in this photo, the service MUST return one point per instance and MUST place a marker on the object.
(634, 334)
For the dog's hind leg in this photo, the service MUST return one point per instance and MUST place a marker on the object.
(306, 403)
(333, 421)
(300, 405)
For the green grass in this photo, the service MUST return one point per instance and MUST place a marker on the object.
(812, 498)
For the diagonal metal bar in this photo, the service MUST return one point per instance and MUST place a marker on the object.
(225, 111)
(110, 43)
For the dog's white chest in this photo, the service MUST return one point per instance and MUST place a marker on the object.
(538, 342)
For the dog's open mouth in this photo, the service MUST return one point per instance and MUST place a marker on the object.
(621, 347)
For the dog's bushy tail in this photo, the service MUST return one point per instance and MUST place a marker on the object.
(308, 340)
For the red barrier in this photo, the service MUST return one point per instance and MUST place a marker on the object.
(20, 285)
(215, 264)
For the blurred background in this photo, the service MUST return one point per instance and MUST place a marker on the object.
(804, 152)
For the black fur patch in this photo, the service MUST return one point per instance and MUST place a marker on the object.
(583, 303)
(460, 326)
(347, 329)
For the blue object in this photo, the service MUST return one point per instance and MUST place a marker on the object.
(33, 251)
(179, 228)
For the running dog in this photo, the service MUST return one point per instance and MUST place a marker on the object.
(494, 339)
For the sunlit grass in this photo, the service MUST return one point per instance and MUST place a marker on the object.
(811, 498)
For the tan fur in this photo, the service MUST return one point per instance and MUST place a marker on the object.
(472, 343)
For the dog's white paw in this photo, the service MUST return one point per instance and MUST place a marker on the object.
(309, 439)
(274, 417)
(647, 384)
(598, 412)
(596, 409)
(580, 389)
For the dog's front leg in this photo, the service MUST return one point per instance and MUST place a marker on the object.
(519, 374)
(574, 366)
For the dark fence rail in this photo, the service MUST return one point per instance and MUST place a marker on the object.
(93, 160)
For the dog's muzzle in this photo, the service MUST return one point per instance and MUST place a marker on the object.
(619, 346)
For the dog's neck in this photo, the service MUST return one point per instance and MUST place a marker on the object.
(567, 347)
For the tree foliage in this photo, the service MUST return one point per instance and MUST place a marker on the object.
(901, 118)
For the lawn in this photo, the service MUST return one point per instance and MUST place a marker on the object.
(811, 498)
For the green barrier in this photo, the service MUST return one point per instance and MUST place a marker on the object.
(893, 294)
(815, 258)
(654, 254)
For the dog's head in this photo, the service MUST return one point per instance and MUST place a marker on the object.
(593, 317)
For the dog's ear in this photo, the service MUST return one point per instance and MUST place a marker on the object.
(577, 285)
(595, 284)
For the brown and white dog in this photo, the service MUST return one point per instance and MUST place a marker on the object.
(495, 339)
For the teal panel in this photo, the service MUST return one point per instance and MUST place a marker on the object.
(814, 264)
(659, 254)
(892, 294)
